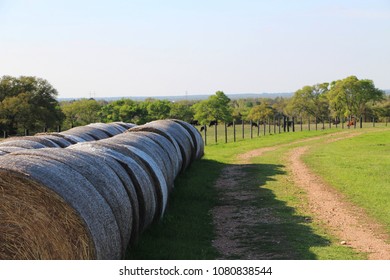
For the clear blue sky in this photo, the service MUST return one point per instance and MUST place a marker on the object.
(151, 48)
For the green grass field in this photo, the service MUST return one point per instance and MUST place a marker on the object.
(186, 232)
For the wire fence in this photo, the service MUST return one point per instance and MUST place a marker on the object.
(236, 131)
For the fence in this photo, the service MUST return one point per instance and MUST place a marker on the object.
(236, 131)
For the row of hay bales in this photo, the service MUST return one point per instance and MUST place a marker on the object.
(91, 200)
(91, 132)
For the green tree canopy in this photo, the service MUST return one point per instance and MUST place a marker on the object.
(29, 103)
(216, 107)
(351, 96)
(312, 101)
(81, 112)
(260, 112)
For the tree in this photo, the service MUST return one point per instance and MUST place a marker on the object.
(351, 96)
(312, 100)
(81, 112)
(215, 108)
(260, 112)
(28, 103)
(125, 110)
(182, 110)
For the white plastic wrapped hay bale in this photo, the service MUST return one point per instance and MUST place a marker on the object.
(196, 138)
(138, 172)
(170, 150)
(23, 144)
(151, 148)
(122, 175)
(167, 136)
(87, 133)
(50, 211)
(104, 179)
(180, 135)
(57, 138)
(109, 129)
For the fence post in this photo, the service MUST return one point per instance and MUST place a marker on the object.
(250, 129)
(258, 128)
(234, 131)
(205, 134)
(243, 127)
(215, 132)
(225, 132)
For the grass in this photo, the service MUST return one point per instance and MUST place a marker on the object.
(360, 168)
(186, 231)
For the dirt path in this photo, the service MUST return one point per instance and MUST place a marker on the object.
(234, 219)
(346, 221)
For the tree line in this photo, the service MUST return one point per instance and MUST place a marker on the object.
(30, 104)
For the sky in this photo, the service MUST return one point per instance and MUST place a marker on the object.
(175, 47)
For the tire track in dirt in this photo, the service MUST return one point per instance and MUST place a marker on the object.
(345, 220)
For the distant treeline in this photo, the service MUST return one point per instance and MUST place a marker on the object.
(30, 104)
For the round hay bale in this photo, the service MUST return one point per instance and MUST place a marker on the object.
(60, 141)
(124, 125)
(166, 135)
(103, 178)
(10, 149)
(75, 139)
(196, 138)
(25, 144)
(139, 175)
(110, 130)
(125, 179)
(158, 178)
(151, 148)
(45, 142)
(50, 211)
(182, 137)
(84, 131)
(164, 143)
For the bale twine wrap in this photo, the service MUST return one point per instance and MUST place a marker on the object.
(181, 136)
(125, 179)
(166, 135)
(87, 133)
(151, 148)
(9, 149)
(126, 126)
(22, 142)
(139, 175)
(158, 179)
(196, 138)
(164, 143)
(109, 129)
(103, 178)
(50, 211)
(57, 138)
